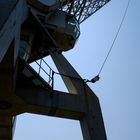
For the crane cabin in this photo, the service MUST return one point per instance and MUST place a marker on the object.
(47, 27)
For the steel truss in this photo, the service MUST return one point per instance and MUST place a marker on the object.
(82, 9)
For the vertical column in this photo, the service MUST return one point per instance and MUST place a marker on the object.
(92, 123)
(7, 72)
(6, 127)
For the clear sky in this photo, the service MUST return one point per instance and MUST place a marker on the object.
(119, 86)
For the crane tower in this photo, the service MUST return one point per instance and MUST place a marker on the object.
(29, 31)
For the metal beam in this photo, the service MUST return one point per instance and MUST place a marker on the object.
(92, 123)
(12, 11)
(50, 102)
(72, 80)
(83, 106)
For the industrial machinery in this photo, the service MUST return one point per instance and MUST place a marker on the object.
(29, 31)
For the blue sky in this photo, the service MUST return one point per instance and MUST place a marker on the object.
(119, 86)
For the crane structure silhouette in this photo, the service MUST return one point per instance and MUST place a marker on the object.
(29, 31)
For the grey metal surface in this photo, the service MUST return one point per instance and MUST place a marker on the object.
(11, 17)
(6, 7)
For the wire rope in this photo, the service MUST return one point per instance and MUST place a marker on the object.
(114, 40)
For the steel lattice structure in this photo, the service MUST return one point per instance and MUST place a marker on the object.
(82, 9)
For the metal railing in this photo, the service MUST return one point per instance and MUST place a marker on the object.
(43, 66)
(48, 73)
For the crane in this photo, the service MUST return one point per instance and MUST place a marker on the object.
(31, 30)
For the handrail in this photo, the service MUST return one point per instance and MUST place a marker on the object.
(41, 68)
(51, 71)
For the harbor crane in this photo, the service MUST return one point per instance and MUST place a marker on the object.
(29, 31)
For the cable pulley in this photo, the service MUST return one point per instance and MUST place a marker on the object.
(93, 80)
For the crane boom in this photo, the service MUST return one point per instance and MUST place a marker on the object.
(82, 9)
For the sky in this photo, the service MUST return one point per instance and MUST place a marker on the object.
(119, 86)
